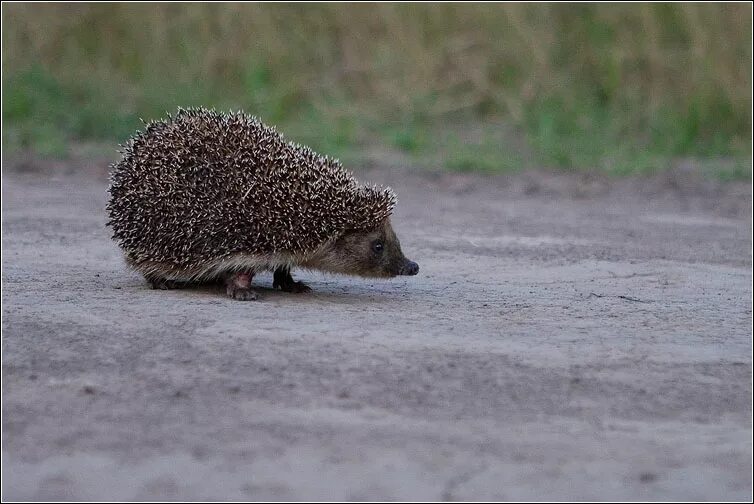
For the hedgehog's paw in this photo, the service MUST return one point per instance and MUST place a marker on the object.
(241, 294)
(283, 280)
(297, 288)
(238, 286)
(164, 284)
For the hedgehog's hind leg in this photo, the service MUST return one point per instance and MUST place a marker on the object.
(238, 286)
(282, 278)
(165, 284)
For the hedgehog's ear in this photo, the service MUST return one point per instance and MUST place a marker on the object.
(387, 229)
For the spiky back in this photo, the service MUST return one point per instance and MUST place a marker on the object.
(203, 185)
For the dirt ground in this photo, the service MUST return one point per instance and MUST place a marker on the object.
(567, 337)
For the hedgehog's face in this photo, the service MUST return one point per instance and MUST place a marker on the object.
(375, 253)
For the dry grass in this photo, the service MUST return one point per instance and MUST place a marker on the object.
(672, 78)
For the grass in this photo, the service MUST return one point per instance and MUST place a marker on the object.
(623, 88)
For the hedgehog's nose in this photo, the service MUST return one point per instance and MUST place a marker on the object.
(409, 268)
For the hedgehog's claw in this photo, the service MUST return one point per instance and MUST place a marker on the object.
(238, 286)
(241, 294)
(297, 288)
(283, 280)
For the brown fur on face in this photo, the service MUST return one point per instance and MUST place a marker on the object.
(359, 253)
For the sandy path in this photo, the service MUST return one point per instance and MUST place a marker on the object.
(562, 341)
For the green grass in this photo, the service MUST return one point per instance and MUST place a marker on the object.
(626, 89)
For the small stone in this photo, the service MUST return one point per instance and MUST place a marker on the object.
(647, 477)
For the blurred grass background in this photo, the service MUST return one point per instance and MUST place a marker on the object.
(624, 88)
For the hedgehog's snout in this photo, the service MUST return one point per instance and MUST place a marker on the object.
(409, 268)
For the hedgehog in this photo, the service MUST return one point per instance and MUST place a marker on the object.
(205, 196)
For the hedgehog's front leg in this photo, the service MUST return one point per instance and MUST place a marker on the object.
(282, 278)
(238, 286)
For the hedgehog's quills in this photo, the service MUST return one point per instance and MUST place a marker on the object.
(206, 196)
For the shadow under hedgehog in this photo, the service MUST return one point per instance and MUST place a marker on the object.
(205, 196)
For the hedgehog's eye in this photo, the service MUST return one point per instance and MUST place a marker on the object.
(377, 247)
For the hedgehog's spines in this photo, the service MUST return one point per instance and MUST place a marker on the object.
(200, 185)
